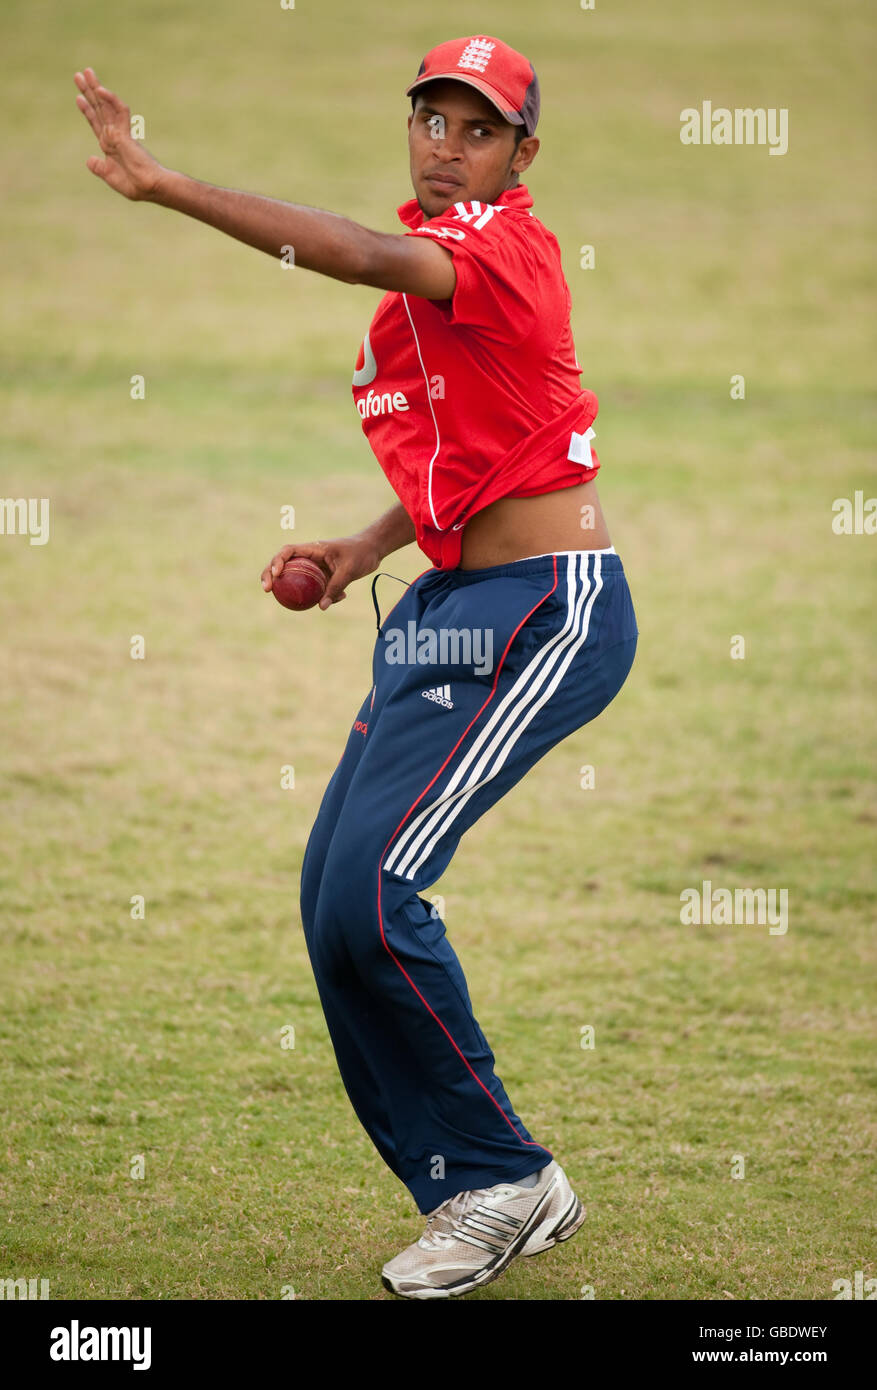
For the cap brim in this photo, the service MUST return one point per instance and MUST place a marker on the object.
(484, 88)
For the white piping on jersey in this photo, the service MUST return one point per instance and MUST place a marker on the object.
(483, 215)
(438, 441)
(507, 724)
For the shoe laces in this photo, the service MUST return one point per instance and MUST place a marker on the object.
(443, 1223)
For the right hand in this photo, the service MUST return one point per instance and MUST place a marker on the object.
(127, 166)
(346, 559)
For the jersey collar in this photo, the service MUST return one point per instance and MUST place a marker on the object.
(517, 197)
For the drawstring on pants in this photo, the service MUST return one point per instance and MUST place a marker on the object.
(386, 575)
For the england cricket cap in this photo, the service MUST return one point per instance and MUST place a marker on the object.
(502, 74)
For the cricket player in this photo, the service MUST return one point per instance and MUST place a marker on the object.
(521, 630)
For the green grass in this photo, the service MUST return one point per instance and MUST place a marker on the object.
(162, 1037)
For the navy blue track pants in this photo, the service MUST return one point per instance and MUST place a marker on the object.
(476, 675)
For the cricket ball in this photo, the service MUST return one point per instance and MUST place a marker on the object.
(300, 584)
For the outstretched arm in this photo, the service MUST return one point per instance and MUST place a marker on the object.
(321, 241)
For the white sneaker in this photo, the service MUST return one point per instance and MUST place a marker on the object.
(471, 1238)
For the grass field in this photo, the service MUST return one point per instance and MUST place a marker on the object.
(160, 777)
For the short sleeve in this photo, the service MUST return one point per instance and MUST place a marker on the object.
(495, 266)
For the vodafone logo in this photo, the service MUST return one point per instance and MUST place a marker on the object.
(375, 403)
(365, 375)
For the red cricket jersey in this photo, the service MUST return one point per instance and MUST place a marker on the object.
(477, 397)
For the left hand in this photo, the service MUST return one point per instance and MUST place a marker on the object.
(126, 166)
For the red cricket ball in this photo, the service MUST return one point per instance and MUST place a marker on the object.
(300, 584)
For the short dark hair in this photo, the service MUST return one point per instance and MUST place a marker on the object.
(520, 130)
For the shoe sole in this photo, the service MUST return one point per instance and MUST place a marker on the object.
(566, 1226)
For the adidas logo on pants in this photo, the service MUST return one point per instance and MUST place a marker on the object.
(441, 695)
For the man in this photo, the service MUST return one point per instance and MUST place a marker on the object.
(467, 385)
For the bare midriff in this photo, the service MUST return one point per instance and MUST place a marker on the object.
(570, 518)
